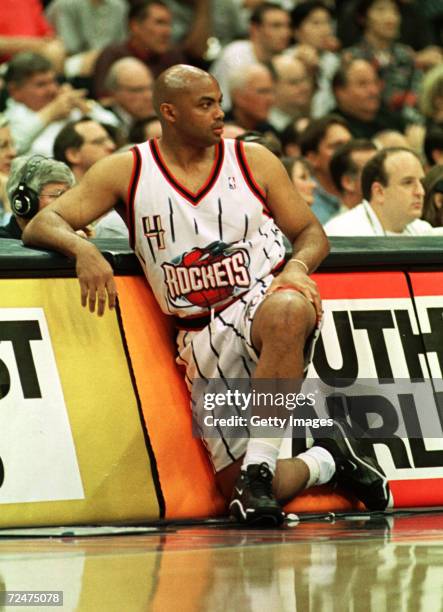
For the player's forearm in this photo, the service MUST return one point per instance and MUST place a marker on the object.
(311, 247)
(49, 230)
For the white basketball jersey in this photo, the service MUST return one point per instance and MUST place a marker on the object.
(201, 250)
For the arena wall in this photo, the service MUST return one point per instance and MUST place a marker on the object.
(95, 419)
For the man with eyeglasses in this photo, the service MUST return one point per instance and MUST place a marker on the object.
(44, 179)
(129, 83)
(80, 144)
(294, 89)
(252, 95)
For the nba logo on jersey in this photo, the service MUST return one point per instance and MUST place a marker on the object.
(231, 182)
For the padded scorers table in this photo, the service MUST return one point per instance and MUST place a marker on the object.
(120, 406)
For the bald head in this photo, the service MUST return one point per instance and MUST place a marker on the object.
(129, 67)
(187, 101)
(244, 77)
(176, 81)
(285, 64)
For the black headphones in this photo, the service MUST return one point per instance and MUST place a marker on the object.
(24, 200)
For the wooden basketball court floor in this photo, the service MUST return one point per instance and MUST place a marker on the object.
(331, 563)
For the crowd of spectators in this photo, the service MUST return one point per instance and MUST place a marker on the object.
(326, 85)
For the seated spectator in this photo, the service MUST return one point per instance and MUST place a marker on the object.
(80, 144)
(252, 94)
(149, 40)
(416, 29)
(318, 143)
(346, 166)
(431, 97)
(357, 90)
(300, 173)
(393, 199)
(293, 91)
(394, 62)
(316, 46)
(7, 154)
(433, 204)
(145, 129)
(23, 27)
(129, 83)
(33, 183)
(269, 35)
(38, 106)
(433, 146)
(86, 27)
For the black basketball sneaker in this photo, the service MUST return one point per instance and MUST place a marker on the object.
(360, 474)
(252, 499)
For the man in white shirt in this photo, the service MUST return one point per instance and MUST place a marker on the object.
(393, 199)
(269, 34)
(38, 107)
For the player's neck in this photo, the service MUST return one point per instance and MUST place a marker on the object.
(184, 155)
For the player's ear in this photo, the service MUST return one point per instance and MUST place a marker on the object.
(168, 111)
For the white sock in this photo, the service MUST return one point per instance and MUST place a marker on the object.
(262, 450)
(320, 463)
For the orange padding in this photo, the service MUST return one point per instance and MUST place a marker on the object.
(185, 473)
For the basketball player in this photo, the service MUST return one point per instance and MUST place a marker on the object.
(206, 217)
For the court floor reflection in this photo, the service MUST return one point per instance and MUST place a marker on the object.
(351, 564)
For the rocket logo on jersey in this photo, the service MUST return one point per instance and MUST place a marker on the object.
(203, 277)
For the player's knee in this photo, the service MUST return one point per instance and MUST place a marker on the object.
(290, 316)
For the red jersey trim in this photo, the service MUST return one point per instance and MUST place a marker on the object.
(132, 188)
(249, 179)
(193, 198)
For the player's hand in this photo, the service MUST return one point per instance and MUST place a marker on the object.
(96, 279)
(293, 277)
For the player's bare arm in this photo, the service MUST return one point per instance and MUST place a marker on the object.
(295, 219)
(54, 227)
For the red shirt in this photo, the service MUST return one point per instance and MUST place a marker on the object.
(23, 18)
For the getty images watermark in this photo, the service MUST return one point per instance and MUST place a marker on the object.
(251, 409)
(385, 409)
